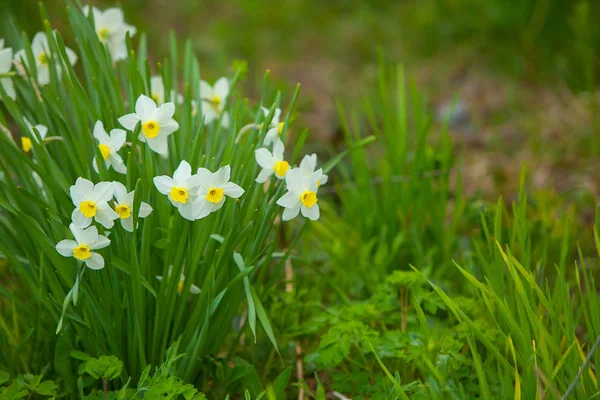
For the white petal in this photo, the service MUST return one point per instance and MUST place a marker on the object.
(157, 88)
(42, 130)
(294, 179)
(117, 139)
(103, 191)
(113, 18)
(168, 127)
(83, 187)
(145, 210)
(278, 150)
(77, 232)
(206, 91)
(232, 190)
(145, 107)
(120, 191)
(95, 261)
(206, 179)
(158, 144)
(80, 220)
(6, 56)
(105, 218)
(265, 174)
(118, 50)
(39, 43)
(194, 289)
(217, 206)
(187, 210)
(9, 88)
(118, 164)
(164, 112)
(164, 183)
(86, 236)
(183, 172)
(264, 158)
(100, 243)
(129, 121)
(65, 247)
(209, 113)
(225, 120)
(43, 74)
(289, 200)
(201, 208)
(222, 88)
(222, 175)
(323, 180)
(71, 56)
(311, 213)
(289, 213)
(127, 224)
(308, 164)
(272, 135)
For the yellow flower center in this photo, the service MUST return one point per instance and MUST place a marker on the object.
(150, 129)
(179, 195)
(26, 144)
(214, 195)
(155, 97)
(43, 58)
(82, 252)
(180, 286)
(309, 198)
(215, 102)
(104, 34)
(88, 208)
(105, 150)
(281, 168)
(123, 210)
(280, 128)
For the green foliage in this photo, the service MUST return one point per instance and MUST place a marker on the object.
(26, 385)
(106, 368)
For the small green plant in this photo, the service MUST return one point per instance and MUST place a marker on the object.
(26, 385)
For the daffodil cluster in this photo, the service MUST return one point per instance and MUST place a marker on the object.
(302, 182)
(115, 166)
(195, 191)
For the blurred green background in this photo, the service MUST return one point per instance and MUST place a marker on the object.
(524, 71)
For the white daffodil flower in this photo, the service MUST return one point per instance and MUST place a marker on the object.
(308, 166)
(157, 91)
(271, 163)
(181, 189)
(275, 127)
(124, 206)
(81, 248)
(193, 288)
(6, 58)
(213, 187)
(26, 142)
(109, 145)
(301, 195)
(91, 202)
(157, 122)
(214, 100)
(112, 30)
(41, 54)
